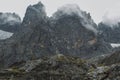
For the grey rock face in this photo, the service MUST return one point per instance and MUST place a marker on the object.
(72, 37)
(33, 41)
(10, 22)
(34, 15)
(42, 36)
(105, 73)
(110, 33)
(114, 58)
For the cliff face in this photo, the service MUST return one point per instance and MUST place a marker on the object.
(114, 58)
(72, 34)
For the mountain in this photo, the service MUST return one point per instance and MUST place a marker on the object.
(110, 33)
(10, 22)
(73, 34)
(76, 33)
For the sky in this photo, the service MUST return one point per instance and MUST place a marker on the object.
(100, 10)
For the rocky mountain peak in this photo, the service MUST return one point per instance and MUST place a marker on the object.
(34, 14)
(73, 10)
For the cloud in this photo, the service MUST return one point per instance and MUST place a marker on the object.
(73, 9)
(9, 18)
(111, 19)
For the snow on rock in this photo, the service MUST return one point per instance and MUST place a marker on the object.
(5, 35)
(115, 45)
(10, 18)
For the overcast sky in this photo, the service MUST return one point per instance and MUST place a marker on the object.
(99, 9)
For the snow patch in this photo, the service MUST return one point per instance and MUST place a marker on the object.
(115, 45)
(5, 35)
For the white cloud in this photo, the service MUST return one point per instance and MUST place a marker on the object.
(111, 20)
(73, 9)
(112, 16)
(9, 17)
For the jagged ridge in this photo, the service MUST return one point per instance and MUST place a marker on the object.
(42, 36)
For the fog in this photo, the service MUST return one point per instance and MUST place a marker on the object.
(73, 9)
(10, 18)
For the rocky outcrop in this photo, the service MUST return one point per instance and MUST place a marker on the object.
(72, 34)
(59, 67)
(114, 58)
(56, 67)
(105, 73)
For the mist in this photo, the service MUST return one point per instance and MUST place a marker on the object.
(9, 18)
(111, 20)
(73, 9)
